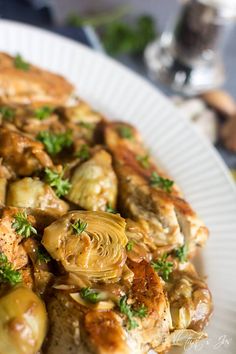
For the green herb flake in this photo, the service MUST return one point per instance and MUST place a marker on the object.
(7, 273)
(83, 153)
(55, 143)
(90, 295)
(109, 209)
(163, 267)
(43, 256)
(79, 226)
(125, 132)
(126, 309)
(143, 160)
(22, 225)
(7, 112)
(129, 246)
(123, 38)
(44, 112)
(141, 312)
(163, 183)
(20, 63)
(86, 125)
(56, 181)
(181, 253)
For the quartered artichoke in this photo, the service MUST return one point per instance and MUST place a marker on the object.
(94, 183)
(33, 193)
(23, 322)
(89, 244)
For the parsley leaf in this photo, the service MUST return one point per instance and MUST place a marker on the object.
(126, 310)
(164, 183)
(43, 256)
(125, 132)
(55, 180)
(55, 143)
(109, 209)
(122, 38)
(86, 125)
(181, 253)
(143, 160)
(7, 273)
(79, 226)
(83, 153)
(90, 295)
(22, 225)
(141, 312)
(7, 112)
(44, 112)
(20, 63)
(163, 267)
(129, 246)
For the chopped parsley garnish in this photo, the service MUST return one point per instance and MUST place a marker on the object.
(79, 226)
(125, 132)
(141, 312)
(90, 295)
(43, 256)
(163, 183)
(22, 226)
(86, 125)
(143, 160)
(20, 63)
(7, 112)
(109, 209)
(55, 143)
(83, 153)
(130, 246)
(7, 273)
(56, 181)
(127, 310)
(181, 253)
(163, 267)
(44, 112)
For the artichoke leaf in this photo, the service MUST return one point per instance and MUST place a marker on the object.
(97, 253)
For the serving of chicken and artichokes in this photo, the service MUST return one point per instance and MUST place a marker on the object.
(96, 241)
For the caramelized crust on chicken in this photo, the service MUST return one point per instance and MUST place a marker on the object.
(20, 154)
(32, 85)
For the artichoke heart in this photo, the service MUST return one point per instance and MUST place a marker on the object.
(94, 183)
(33, 193)
(97, 252)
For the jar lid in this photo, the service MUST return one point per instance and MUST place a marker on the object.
(226, 8)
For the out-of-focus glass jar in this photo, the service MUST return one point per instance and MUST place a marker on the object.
(187, 57)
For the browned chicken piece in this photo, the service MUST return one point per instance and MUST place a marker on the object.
(170, 219)
(22, 155)
(64, 327)
(189, 297)
(10, 241)
(147, 289)
(31, 84)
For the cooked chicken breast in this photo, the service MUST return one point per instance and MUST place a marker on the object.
(20, 154)
(25, 83)
(171, 220)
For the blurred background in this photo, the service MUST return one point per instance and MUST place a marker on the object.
(186, 48)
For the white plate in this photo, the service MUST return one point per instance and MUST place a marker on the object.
(191, 161)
